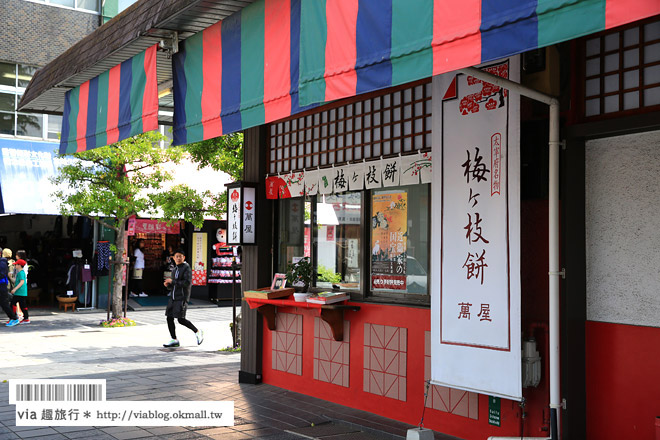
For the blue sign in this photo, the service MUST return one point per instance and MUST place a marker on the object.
(25, 171)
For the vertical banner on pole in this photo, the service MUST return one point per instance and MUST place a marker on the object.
(476, 240)
(199, 259)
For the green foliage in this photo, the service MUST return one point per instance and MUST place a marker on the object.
(302, 272)
(327, 275)
(223, 153)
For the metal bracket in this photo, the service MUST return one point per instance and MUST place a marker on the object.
(562, 273)
(170, 44)
(563, 144)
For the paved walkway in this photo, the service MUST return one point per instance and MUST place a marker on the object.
(137, 368)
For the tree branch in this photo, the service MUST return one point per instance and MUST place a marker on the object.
(107, 225)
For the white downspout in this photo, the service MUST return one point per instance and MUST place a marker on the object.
(553, 234)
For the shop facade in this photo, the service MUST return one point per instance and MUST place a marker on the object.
(606, 84)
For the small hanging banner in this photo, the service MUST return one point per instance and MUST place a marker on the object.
(340, 179)
(272, 187)
(311, 182)
(409, 170)
(373, 175)
(355, 175)
(326, 177)
(391, 171)
(295, 182)
(425, 167)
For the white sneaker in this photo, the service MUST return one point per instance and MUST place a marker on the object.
(143, 295)
(132, 295)
(200, 336)
(173, 343)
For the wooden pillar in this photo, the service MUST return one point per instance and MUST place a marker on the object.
(257, 260)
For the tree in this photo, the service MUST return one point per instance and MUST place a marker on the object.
(124, 179)
(224, 153)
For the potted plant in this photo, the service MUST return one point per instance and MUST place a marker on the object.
(300, 274)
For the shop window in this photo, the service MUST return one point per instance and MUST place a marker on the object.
(337, 239)
(294, 231)
(399, 240)
(328, 230)
(621, 70)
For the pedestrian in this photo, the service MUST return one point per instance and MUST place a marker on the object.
(138, 270)
(4, 292)
(179, 296)
(20, 290)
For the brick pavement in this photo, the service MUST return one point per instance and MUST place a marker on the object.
(136, 368)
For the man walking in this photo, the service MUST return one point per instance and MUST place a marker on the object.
(179, 284)
(4, 296)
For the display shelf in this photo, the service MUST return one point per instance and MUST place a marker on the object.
(333, 314)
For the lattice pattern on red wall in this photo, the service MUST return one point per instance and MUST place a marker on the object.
(385, 357)
(457, 402)
(287, 343)
(331, 358)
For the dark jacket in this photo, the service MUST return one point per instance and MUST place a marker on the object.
(4, 271)
(181, 282)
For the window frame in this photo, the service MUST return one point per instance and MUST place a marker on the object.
(580, 93)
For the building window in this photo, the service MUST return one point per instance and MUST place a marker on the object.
(82, 5)
(13, 80)
(622, 70)
(400, 236)
(328, 230)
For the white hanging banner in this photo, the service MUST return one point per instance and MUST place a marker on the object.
(295, 183)
(355, 175)
(311, 182)
(234, 216)
(409, 170)
(476, 241)
(249, 215)
(340, 179)
(391, 171)
(326, 177)
(425, 164)
(373, 175)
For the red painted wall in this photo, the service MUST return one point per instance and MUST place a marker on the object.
(623, 381)
(417, 321)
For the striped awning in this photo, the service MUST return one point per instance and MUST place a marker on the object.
(275, 57)
(113, 106)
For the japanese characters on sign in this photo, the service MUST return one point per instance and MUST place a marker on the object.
(476, 235)
(475, 285)
(249, 215)
(389, 227)
(234, 216)
(406, 170)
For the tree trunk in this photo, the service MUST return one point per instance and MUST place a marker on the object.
(117, 285)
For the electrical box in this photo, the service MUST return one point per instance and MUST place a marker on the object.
(531, 364)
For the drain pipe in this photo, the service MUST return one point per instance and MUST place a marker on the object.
(553, 236)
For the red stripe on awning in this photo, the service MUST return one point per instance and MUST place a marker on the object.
(114, 79)
(277, 59)
(81, 123)
(150, 97)
(619, 12)
(456, 35)
(212, 77)
(340, 49)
